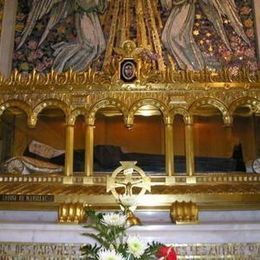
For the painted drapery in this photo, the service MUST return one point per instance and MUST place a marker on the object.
(177, 35)
(90, 42)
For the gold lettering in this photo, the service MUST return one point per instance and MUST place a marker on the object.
(21, 197)
(26, 198)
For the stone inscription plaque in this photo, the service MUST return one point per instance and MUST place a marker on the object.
(26, 198)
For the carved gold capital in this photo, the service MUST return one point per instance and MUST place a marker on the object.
(228, 120)
(184, 212)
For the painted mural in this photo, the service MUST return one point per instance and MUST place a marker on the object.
(30, 55)
(239, 51)
(1, 15)
(77, 34)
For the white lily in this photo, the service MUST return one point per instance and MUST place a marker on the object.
(110, 255)
(127, 200)
(114, 219)
(136, 246)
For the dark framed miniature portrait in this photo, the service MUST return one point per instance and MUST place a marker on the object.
(128, 70)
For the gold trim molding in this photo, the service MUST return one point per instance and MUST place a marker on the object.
(101, 180)
(71, 79)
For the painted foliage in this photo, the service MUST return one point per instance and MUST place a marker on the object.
(240, 54)
(30, 55)
(151, 22)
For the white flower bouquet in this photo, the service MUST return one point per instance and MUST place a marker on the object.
(115, 244)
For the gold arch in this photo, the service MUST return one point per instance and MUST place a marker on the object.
(108, 102)
(75, 113)
(16, 103)
(52, 103)
(187, 117)
(253, 102)
(152, 102)
(215, 103)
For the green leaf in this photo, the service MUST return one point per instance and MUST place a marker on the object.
(104, 242)
(89, 251)
(152, 249)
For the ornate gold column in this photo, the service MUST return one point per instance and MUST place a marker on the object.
(69, 150)
(229, 142)
(89, 145)
(169, 154)
(189, 149)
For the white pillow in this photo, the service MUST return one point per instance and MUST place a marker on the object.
(44, 150)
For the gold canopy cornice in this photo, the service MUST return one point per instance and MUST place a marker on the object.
(171, 92)
(109, 79)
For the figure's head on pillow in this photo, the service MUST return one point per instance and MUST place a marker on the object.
(41, 151)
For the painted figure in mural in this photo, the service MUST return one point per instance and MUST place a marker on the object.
(177, 34)
(90, 39)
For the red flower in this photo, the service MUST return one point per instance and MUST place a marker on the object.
(166, 253)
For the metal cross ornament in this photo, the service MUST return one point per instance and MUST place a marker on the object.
(128, 176)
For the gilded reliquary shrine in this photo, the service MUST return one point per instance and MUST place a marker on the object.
(182, 102)
(195, 135)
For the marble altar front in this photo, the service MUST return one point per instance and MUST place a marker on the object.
(219, 235)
